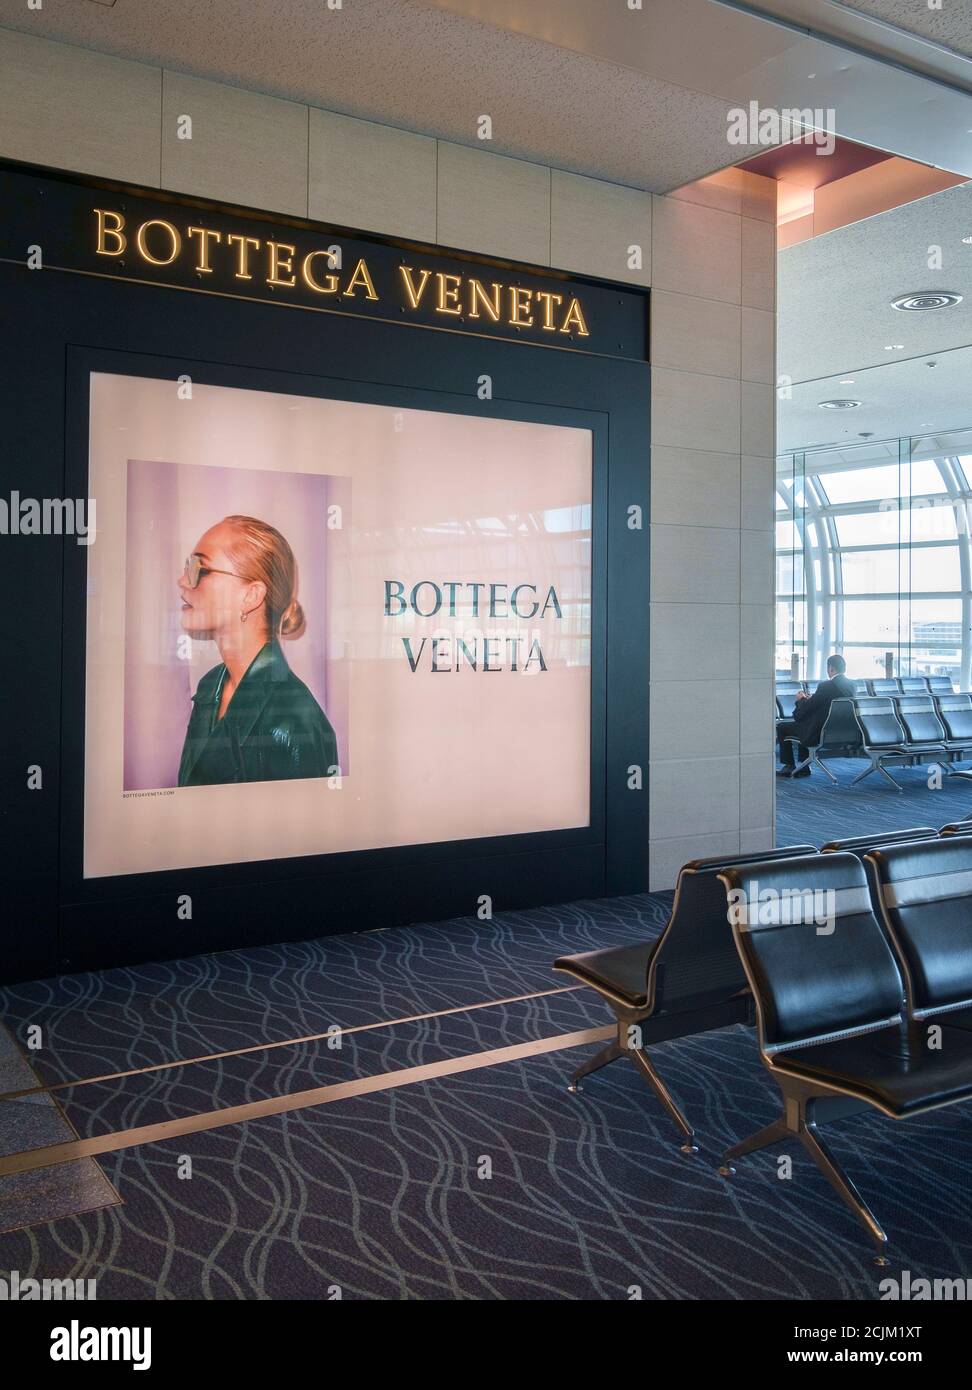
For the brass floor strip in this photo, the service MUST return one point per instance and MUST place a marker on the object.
(297, 1100)
(286, 1042)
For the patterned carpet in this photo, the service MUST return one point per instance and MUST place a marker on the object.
(813, 809)
(495, 1183)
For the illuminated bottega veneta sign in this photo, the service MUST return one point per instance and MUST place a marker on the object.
(158, 241)
(169, 243)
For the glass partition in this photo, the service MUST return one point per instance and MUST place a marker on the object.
(874, 559)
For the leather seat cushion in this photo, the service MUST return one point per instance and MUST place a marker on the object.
(883, 1068)
(621, 969)
(954, 1018)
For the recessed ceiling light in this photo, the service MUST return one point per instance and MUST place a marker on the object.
(846, 381)
(967, 241)
(894, 347)
(921, 301)
(838, 405)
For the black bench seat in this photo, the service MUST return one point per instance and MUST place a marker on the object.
(620, 972)
(861, 844)
(689, 980)
(896, 1073)
(838, 1025)
(924, 895)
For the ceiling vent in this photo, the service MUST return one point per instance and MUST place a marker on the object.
(925, 300)
(838, 405)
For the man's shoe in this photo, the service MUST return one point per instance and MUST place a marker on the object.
(784, 772)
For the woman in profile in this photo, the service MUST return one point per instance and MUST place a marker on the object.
(252, 719)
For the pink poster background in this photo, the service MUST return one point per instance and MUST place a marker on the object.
(438, 499)
(170, 505)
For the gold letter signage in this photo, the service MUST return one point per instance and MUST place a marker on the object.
(157, 241)
(171, 243)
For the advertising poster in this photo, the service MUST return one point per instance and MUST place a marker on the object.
(316, 626)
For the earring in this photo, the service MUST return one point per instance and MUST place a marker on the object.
(242, 615)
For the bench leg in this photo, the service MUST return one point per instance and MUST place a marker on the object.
(798, 1122)
(604, 1058)
(876, 766)
(813, 761)
(640, 1059)
(885, 773)
(819, 762)
(821, 1155)
(760, 1140)
(610, 1054)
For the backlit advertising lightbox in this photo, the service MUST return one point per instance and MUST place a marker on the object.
(317, 626)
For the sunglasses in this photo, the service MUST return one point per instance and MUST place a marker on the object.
(196, 570)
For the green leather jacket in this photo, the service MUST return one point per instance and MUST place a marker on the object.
(273, 728)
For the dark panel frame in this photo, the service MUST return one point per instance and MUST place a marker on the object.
(75, 889)
(67, 324)
(63, 205)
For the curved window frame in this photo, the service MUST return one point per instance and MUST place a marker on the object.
(815, 623)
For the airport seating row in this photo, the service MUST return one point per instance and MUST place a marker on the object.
(843, 957)
(787, 691)
(898, 730)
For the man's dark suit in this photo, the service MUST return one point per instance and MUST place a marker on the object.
(809, 717)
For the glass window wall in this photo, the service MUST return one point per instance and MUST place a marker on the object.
(874, 559)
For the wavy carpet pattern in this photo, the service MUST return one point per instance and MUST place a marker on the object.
(495, 1183)
(813, 809)
(138, 1016)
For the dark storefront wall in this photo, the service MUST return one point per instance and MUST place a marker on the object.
(59, 326)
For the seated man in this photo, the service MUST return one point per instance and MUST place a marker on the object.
(810, 714)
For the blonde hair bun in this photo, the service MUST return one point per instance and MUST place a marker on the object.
(293, 622)
(260, 553)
